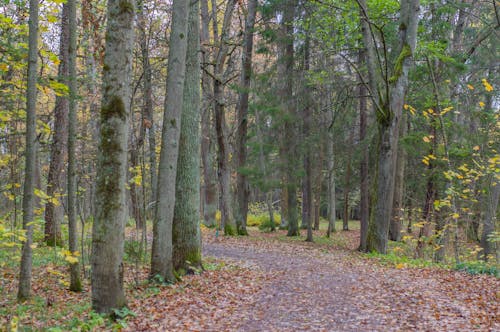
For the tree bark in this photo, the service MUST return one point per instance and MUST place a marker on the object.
(285, 70)
(364, 205)
(148, 112)
(161, 258)
(223, 169)
(209, 193)
(388, 110)
(24, 291)
(186, 225)
(397, 206)
(490, 218)
(242, 188)
(347, 184)
(75, 282)
(53, 212)
(111, 210)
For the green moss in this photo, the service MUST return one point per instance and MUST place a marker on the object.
(229, 230)
(398, 66)
(384, 115)
(126, 7)
(114, 108)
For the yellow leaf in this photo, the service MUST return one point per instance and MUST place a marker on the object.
(476, 148)
(426, 139)
(400, 265)
(481, 104)
(470, 87)
(487, 86)
(446, 110)
(71, 259)
(455, 215)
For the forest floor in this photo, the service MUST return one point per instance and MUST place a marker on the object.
(329, 289)
(270, 282)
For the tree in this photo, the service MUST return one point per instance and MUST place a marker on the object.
(219, 80)
(388, 104)
(161, 257)
(285, 69)
(111, 210)
(24, 291)
(186, 223)
(53, 212)
(242, 187)
(75, 282)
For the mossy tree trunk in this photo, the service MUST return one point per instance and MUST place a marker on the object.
(75, 281)
(186, 225)
(161, 258)
(388, 107)
(24, 291)
(111, 210)
(54, 213)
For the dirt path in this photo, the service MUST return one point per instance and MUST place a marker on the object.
(335, 290)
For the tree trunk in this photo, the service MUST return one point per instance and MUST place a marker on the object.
(389, 110)
(111, 210)
(331, 185)
(489, 221)
(53, 212)
(307, 199)
(148, 111)
(223, 168)
(209, 193)
(24, 291)
(186, 226)
(364, 205)
(242, 188)
(347, 180)
(397, 206)
(75, 282)
(161, 257)
(285, 92)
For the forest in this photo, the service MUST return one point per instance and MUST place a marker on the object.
(249, 165)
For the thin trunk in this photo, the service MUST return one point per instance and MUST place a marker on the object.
(489, 222)
(148, 111)
(161, 257)
(397, 205)
(331, 185)
(111, 208)
(24, 291)
(285, 93)
(223, 168)
(364, 205)
(242, 188)
(318, 180)
(75, 282)
(347, 180)
(209, 193)
(307, 199)
(186, 224)
(53, 212)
